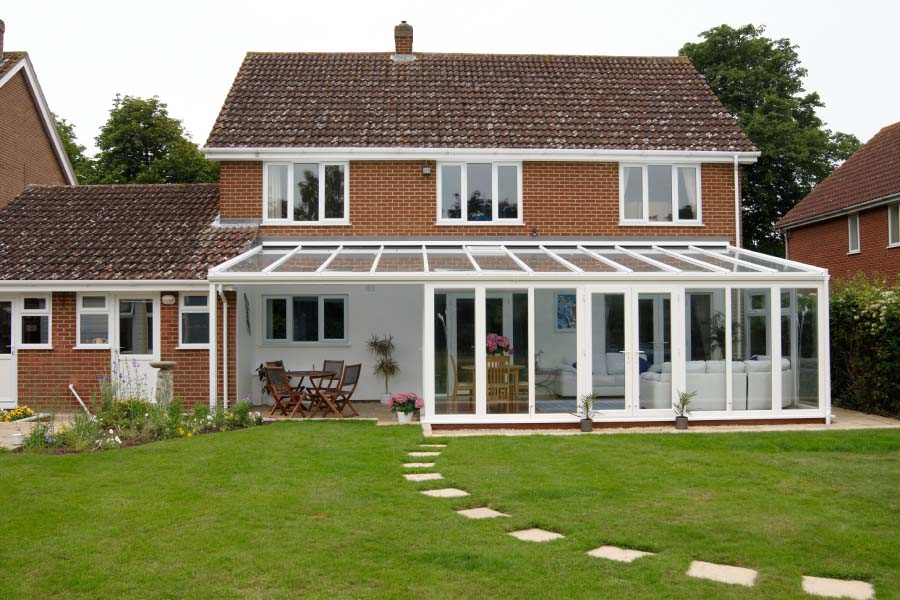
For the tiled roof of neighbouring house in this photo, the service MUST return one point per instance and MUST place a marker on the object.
(870, 174)
(118, 232)
(473, 101)
(10, 59)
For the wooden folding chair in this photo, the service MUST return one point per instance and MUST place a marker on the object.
(285, 397)
(336, 367)
(339, 399)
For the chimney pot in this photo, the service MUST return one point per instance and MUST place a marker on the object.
(403, 39)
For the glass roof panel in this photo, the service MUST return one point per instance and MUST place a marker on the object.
(675, 262)
(448, 260)
(635, 264)
(584, 261)
(352, 261)
(541, 262)
(715, 261)
(400, 261)
(304, 261)
(771, 264)
(495, 261)
(255, 263)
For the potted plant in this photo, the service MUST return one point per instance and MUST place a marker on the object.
(382, 348)
(681, 409)
(405, 405)
(586, 412)
(498, 345)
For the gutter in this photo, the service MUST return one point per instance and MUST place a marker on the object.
(224, 347)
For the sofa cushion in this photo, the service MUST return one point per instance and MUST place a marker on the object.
(695, 366)
(650, 376)
(667, 367)
(758, 366)
(615, 363)
(604, 380)
(715, 366)
(665, 376)
(738, 366)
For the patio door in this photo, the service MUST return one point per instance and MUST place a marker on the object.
(137, 331)
(7, 355)
(652, 361)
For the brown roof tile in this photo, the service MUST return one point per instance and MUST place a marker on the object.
(873, 172)
(473, 101)
(118, 232)
(10, 59)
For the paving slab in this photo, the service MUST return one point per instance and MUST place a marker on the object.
(618, 554)
(536, 535)
(722, 573)
(418, 465)
(481, 513)
(432, 445)
(838, 588)
(423, 454)
(422, 476)
(446, 493)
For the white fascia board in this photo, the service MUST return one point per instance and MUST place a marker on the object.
(50, 285)
(46, 115)
(492, 154)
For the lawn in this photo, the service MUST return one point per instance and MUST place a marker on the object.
(321, 510)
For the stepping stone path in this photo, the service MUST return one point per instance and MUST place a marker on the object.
(722, 573)
(838, 588)
(618, 554)
(422, 476)
(536, 535)
(423, 454)
(432, 445)
(446, 493)
(418, 465)
(481, 513)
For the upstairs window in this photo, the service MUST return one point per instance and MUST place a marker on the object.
(658, 194)
(479, 193)
(894, 225)
(307, 193)
(853, 234)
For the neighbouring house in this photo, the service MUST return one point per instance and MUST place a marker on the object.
(850, 222)
(529, 229)
(31, 152)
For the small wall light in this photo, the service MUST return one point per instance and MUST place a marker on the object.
(426, 169)
(168, 299)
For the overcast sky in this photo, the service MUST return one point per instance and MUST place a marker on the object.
(187, 52)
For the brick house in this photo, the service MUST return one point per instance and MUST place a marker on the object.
(529, 229)
(30, 149)
(850, 222)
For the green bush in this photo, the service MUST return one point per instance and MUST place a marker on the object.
(865, 346)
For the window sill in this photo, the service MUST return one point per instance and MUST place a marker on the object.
(277, 344)
(192, 347)
(852, 252)
(285, 223)
(92, 347)
(659, 224)
(34, 347)
(479, 223)
(891, 246)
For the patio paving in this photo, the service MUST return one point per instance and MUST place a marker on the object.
(536, 535)
(422, 476)
(722, 573)
(418, 465)
(618, 554)
(482, 512)
(838, 588)
(445, 493)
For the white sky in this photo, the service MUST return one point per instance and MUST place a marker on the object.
(187, 52)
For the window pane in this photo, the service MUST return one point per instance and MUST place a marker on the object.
(451, 192)
(799, 350)
(135, 326)
(277, 192)
(478, 184)
(508, 190)
(687, 193)
(334, 191)
(5, 327)
(35, 329)
(333, 313)
(608, 351)
(195, 328)
(35, 303)
(506, 326)
(895, 224)
(634, 192)
(201, 301)
(306, 192)
(306, 318)
(854, 233)
(655, 351)
(93, 302)
(556, 352)
(705, 346)
(94, 329)
(454, 352)
(276, 319)
(659, 183)
(752, 364)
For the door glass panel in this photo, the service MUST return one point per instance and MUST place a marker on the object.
(751, 367)
(135, 326)
(608, 351)
(800, 355)
(506, 327)
(654, 360)
(705, 348)
(454, 352)
(5, 327)
(556, 351)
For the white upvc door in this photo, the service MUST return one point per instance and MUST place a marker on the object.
(657, 358)
(8, 375)
(608, 347)
(136, 342)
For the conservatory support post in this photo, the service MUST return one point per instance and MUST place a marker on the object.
(428, 352)
(824, 342)
(213, 344)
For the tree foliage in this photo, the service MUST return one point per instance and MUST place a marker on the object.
(760, 82)
(81, 163)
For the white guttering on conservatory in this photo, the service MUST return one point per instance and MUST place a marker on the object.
(744, 294)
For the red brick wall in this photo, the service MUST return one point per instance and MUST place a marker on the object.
(393, 198)
(26, 152)
(825, 244)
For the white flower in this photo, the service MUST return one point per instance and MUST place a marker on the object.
(118, 440)
(111, 431)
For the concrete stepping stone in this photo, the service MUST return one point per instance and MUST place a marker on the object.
(418, 465)
(445, 493)
(422, 476)
(423, 454)
(722, 573)
(432, 445)
(536, 535)
(618, 554)
(481, 513)
(838, 588)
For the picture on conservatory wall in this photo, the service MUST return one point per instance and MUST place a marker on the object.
(566, 312)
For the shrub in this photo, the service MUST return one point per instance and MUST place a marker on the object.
(865, 353)
(39, 438)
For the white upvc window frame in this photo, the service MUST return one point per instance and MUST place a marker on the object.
(289, 220)
(893, 220)
(183, 308)
(851, 219)
(81, 310)
(464, 194)
(36, 312)
(645, 221)
(289, 316)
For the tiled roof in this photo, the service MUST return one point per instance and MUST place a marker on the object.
(117, 232)
(870, 174)
(473, 101)
(10, 59)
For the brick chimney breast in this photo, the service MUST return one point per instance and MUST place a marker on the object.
(403, 42)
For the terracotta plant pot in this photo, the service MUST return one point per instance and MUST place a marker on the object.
(681, 423)
(587, 425)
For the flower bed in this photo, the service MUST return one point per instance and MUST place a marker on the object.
(16, 414)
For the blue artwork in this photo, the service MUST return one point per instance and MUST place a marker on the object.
(565, 312)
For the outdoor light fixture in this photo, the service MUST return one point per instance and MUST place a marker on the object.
(168, 299)
(426, 169)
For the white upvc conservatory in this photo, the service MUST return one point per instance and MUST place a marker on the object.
(518, 331)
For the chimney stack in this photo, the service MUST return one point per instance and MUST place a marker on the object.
(403, 39)
(3, 29)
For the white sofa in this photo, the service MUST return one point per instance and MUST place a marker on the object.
(608, 376)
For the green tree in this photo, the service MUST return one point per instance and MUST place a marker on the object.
(141, 143)
(81, 163)
(760, 82)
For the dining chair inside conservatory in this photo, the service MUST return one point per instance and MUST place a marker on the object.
(463, 385)
(498, 383)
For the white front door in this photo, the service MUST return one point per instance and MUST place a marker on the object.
(136, 345)
(7, 355)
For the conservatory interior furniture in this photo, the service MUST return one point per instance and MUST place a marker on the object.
(461, 388)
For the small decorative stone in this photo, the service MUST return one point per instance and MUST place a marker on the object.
(445, 493)
(838, 588)
(481, 513)
(722, 573)
(536, 535)
(618, 554)
(422, 476)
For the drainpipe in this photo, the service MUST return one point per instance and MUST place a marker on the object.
(224, 348)
(737, 202)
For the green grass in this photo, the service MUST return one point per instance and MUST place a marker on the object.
(321, 510)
